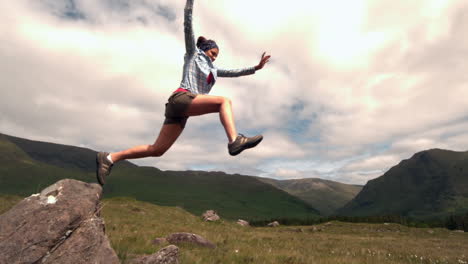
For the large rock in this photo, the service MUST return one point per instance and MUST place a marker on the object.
(59, 225)
(210, 216)
(178, 238)
(167, 255)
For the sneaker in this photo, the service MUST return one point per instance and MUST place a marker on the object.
(242, 143)
(103, 167)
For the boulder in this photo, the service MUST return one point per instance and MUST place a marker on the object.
(210, 216)
(167, 255)
(243, 222)
(59, 225)
(178, 238)
(273, 224)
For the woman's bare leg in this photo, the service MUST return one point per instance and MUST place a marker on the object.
(167, 136)
(205, 104)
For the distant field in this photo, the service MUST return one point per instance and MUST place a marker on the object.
(131, 226)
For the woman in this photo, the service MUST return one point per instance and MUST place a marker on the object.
(191, 99)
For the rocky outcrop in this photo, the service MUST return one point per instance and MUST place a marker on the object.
(178, 238)
(167, 255)
(210, 216)
(59, 225)
(243, 222)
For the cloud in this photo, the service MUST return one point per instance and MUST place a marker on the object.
(288, 174)
(372, 163)
(452, 137)
(349, 91)
(118, 12)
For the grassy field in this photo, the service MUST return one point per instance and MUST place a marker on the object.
(132, 226)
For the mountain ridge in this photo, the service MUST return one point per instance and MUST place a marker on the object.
(432, 183)
(233, 196)
(325, 195)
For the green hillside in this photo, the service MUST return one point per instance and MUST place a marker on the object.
(27, 167)
(324, 195)
(432, 183)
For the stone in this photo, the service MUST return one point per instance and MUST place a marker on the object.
(274, 224)
(243, 222)
(167, 255)
(59, 225)
(178, 238)
(316, 229)
(210, 216)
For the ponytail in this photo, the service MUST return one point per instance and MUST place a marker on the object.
(200, 41)
(206, 44)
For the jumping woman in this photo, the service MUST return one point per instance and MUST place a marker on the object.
(191, 99)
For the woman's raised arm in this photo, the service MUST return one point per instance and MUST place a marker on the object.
(235, 72)
(246, 71)
(188, 29)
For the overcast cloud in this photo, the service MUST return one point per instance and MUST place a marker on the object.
(353, 87)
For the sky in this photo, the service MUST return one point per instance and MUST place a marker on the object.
(352, 88)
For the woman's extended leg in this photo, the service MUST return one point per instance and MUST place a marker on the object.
(205, 104)
(167, 136)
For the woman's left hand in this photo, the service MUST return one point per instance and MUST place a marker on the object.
(262, 62)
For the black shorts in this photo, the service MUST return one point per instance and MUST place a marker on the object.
(177, 106)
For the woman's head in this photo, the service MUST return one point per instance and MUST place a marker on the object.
(209, 47)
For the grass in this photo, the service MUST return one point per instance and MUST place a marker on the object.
(8, 201)
(132, 226)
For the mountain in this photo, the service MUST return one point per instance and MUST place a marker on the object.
(324, 195)
(27, 166)
(431, 184)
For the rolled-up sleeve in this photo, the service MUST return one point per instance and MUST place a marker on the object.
(188, 28)
(235, 72)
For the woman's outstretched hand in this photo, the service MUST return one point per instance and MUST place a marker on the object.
(262, 62)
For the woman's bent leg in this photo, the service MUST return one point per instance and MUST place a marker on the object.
(167, 136)
(205, 104)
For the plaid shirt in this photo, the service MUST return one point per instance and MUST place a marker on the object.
(197, 65)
